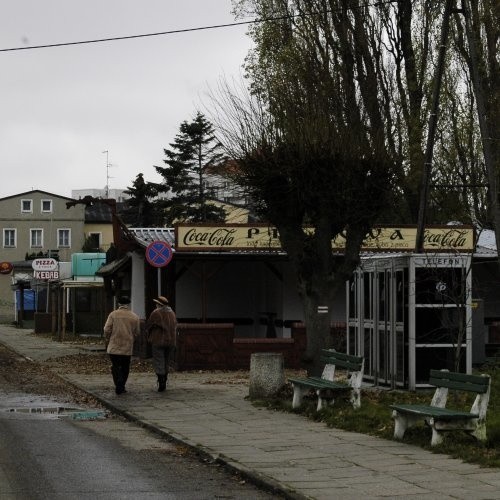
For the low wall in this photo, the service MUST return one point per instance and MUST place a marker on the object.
(213, 346)
(47, 323)
(205, 346)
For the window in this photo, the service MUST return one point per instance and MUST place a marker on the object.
(64, 238)
(36, 238)
(94, 241)
(9, 238)
(26, 206)
(47, 206)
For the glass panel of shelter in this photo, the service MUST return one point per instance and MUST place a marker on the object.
(442, 330)
(400, 304)
(377, 320)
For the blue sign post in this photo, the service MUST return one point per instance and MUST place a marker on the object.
(159, 254)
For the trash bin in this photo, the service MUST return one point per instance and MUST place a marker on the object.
(267, 374)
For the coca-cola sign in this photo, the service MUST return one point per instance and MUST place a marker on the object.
(226, 237)
(258, 237)
(404, 238)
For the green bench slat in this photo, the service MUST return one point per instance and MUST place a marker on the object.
(346, 365)
(433, 411)
(341, 360)
(459, 381)
(338, 385)
(318, 383)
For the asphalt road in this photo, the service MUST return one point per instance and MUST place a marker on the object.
(47, 454)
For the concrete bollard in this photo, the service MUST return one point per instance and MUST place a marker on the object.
(267, 375)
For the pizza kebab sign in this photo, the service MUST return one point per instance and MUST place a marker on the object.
(201, 237)
(45, 269)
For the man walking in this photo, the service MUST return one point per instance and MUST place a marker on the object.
(120, 330)
(162, 332)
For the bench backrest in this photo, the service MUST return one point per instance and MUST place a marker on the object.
(341, 360)
(459, 381)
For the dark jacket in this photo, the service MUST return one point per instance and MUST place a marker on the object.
(162, 327)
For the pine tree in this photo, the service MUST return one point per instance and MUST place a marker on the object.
(194, 152)
(141, 211)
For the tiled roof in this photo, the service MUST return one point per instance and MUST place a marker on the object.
(27, 193)
(145, 235)
(486, 245)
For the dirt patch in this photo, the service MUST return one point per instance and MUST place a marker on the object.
(93, 364)
(21, 375)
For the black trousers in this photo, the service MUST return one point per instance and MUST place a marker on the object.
(120, 368)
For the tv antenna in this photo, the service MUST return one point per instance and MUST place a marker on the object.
(106, 189)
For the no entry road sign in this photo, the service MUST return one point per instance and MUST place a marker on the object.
(159, 253)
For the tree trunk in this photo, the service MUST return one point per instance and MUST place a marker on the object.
(317, 314)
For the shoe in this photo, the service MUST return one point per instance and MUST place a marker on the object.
(120, 390)
(162, 382)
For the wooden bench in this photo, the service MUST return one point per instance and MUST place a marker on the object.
(442, 419)
(326, 385)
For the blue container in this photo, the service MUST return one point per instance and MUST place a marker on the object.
(29, 300)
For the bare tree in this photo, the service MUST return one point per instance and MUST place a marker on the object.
(478, 39)
(341, 93)
(310, 145)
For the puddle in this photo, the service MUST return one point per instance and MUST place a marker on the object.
(42, 409)
(59, 412)
(18, 405)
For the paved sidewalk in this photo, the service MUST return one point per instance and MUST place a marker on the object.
(298, 457)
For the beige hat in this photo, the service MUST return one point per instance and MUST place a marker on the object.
(163, 301)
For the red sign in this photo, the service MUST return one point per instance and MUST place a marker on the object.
(159, 253)
(6, 267)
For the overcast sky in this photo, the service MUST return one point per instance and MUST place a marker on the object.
(61, 107)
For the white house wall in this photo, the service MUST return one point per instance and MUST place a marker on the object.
(137, 286)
